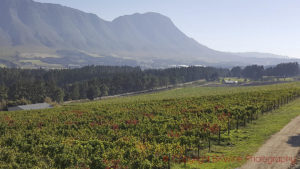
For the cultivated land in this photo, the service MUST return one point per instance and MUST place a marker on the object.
(253, 138)
(146, 131)
(196, 91)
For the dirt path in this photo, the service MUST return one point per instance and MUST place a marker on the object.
(279, 151)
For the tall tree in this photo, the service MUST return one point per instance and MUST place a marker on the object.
(75, 92)
(58, 95)
(254, 72)
(93, 92)
(3, 92)
(104, 90)
(236, 71)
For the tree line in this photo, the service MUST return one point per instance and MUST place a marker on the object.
(256, 72)
(25, 86)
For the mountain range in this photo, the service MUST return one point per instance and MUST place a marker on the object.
(34, 34)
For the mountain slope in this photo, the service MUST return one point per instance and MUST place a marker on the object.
(29, 23)
(32, 32)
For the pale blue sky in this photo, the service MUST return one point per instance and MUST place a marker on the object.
(227, 25)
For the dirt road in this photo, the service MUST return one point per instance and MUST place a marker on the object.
(279, 151)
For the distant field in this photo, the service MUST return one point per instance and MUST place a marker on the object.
(37, 63)
(196, 91)
(148, 131)
(237, 79)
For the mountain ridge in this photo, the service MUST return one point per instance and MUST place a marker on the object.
(149, 39)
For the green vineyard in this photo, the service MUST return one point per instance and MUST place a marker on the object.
(141, 133)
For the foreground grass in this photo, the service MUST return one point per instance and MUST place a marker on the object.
(246, 141)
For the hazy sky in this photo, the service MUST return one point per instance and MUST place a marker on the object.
(226, 25)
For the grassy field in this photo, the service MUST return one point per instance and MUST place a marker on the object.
(240, 80)
(38, 63)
